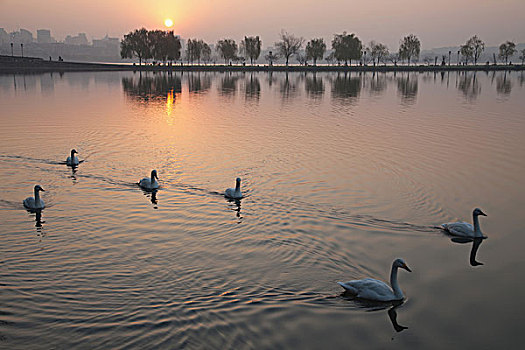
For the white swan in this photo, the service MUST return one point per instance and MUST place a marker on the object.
(36, 202)
(72, 159)
(372, 289)
(150, 183)
(464, 229)
(234, 193)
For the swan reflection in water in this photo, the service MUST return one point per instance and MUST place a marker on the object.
(392, 314)
(74, 169)
(38, 220)
(152, 194)
(372, 306)
(476, 242)
(235, 205)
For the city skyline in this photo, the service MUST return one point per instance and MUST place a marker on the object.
(449, 24)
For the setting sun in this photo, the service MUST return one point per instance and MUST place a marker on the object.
(168, 22)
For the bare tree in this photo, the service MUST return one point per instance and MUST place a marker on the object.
(330, 59)
(378, 51)
(227, 49)
(206, 53)
(522, 56)
(477, 47)
(301, 58)
(315, 50)
(506, 50)
(467, 51)
(194, 50)
(410, 47)
(394, 58)
(289, 45)
(251, 48)
(271, 57)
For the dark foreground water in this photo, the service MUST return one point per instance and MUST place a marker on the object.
(342, 174)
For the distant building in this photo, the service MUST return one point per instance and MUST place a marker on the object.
(80, 39)
(22, 37)
(107, 42)
(43, 36)
(109, 47)
(4, 37)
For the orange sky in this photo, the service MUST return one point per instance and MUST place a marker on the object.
(437, 22)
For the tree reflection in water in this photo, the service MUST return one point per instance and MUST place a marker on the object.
(378, 83)
(252, 87)
(503, 84)
(346, 87)
(407, 86)
(469, 85)
(228, 85)
(198, 82)
(313, 85)
(146, 87)
(271, 79)
(287, 87)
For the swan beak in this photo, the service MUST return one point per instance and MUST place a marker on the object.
(407, 268)
(482, 213)
(41, 189)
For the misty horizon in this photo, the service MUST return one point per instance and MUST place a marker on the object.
(91, 39)
(380, 21)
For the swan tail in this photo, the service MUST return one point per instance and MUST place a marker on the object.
(347, 287)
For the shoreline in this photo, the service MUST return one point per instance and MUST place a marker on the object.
(9, 64)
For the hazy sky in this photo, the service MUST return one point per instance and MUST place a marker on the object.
(437, 23)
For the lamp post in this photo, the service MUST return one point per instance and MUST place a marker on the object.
(364, 58)
(12, 50)
(22, 48)
(458, 57)
(449, 52)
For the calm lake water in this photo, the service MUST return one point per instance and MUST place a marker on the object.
(342, 174)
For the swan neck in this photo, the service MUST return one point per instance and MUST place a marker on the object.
(477, 230)
(37, 196)
(238, 186)
(394, 284)
(72, 155)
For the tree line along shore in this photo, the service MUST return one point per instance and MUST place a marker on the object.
(158, 50)
(164, 47)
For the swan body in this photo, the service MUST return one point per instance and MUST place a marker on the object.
(372, 289)
(234, 193)
(72, 159)
(35, 202)
(464, 229)
(150, 183)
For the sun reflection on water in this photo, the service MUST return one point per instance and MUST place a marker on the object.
(169, 108)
